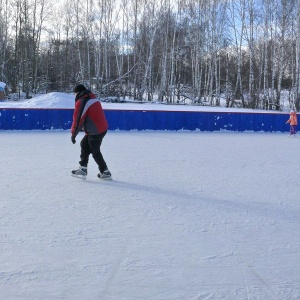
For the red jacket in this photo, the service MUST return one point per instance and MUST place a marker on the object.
(88, 115)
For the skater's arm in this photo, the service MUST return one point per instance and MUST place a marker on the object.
(76, 118)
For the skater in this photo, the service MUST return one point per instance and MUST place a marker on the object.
(293, 122)
(89, 117)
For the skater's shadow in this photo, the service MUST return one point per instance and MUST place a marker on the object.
(155, 190)
(201, 197)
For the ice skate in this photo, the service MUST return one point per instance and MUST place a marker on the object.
(105, 175)
(81, 172)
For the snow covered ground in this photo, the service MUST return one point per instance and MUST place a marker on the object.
(62, 100)
(189, 215)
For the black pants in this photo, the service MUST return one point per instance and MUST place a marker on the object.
(90, 144)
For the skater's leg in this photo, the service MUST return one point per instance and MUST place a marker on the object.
(85, 151)
(292, 130)
(95, 143)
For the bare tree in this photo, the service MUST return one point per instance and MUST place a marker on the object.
(237, 21)
(266, 42)
(4, 37)
(297, 57)
(249, 33)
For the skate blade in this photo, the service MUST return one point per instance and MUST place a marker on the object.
(82, 177)
(105, 178)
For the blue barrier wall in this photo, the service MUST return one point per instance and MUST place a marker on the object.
(47, 119)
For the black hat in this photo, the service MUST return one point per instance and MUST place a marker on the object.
(79, 88)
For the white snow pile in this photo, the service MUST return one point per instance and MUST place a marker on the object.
(51, 100)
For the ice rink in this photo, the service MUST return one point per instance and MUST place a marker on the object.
(188, 215)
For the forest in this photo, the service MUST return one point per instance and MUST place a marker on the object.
(168, 51)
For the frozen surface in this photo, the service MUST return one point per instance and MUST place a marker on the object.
(189, 215)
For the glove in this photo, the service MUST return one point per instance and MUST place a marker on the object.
(73, 139)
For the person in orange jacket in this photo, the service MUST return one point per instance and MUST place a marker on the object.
(293, 122)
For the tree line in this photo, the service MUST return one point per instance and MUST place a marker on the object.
(156, 50)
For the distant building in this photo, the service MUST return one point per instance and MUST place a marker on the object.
(2, 91)
(2, 94)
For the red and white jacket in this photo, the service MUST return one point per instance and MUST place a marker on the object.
(88, 115)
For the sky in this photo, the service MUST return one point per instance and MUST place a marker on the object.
(188, 215)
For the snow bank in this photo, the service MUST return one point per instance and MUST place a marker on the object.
(62, 100)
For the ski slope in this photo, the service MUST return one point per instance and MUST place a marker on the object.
(189, 215)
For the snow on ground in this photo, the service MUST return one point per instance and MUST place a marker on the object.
(189, 215)
(62, 100)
